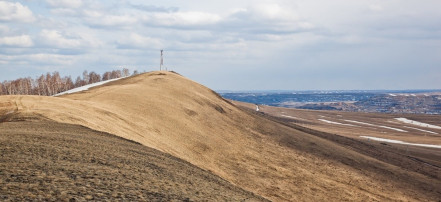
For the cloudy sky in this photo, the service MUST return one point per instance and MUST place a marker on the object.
(229, 44)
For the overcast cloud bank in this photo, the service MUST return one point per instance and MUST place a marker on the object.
(279, 44)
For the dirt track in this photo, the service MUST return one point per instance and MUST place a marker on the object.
(44, 160)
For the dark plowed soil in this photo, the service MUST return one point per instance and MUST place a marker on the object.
(43, 160)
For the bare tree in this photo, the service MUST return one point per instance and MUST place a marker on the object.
(41, 89)
(94, 77)
(135, 72)
(115, 74)
(52, 83)
(1, 89)
(48, 84)
(56, 83)
(8, 87)
(79, 82)
(125, 72)
(106, 76)
(86, 77)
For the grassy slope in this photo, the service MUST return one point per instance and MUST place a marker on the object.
(44, 160)
(172, 114)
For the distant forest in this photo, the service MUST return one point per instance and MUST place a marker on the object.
(52, 83)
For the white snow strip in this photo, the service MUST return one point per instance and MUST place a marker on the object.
(393, 95)
(368, 124)
(421, 130)
(289, 116)
(337, 123)
(86, 87)
(293, 117)
(401, 142)
(417, 123)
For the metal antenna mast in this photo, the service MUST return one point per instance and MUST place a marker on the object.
(162, 61)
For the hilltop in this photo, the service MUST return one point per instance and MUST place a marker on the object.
(172, 114)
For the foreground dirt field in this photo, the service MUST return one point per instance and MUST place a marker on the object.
(44, 160)
(278, 161)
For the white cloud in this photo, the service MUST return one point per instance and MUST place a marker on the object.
(273, 12)
(56, 39)
(65, 3)
(17, 41)
(182, 19)
(300, 38)
(376, 7)
(103, 19)
(64, 11)
(38, 59)
(264, 19)
(15, 12)
(135, 40)
(4, 29)
(117, 20)
(52, 59)
(265, 12)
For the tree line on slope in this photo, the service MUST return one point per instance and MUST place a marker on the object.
(52, 84)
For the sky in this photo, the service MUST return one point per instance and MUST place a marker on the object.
(231, 45)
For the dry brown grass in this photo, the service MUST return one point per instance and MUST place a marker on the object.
(45, 160)
(170, 113)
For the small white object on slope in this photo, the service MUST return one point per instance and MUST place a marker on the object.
(86, 87)
(257, 108)
(401, 142)
(417, 123)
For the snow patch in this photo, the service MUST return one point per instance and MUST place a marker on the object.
(292, 117)
(337, 123)
(86, 87)
(393, 95)
(417, 123)
(401, 142)
(421, 130)
(369, 124)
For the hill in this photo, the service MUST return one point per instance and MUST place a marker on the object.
(172, 114)
(45, 160)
